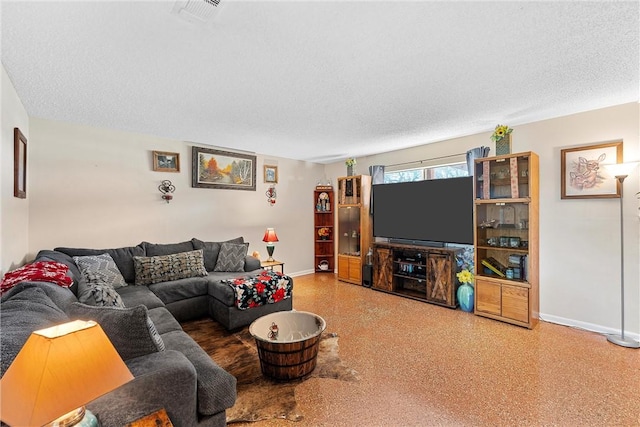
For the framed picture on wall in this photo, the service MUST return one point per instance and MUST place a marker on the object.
(271, 174)
(223, 169)
(582, 174)
(19, 164)
(164, 161)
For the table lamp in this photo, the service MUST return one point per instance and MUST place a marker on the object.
(58, 371)
(621, 171)
(270, 237)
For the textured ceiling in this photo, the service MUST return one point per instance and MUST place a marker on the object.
(319, 80)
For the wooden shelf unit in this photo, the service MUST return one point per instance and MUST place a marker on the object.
(323, 219)
(420, 272)
(354, 226)
(506, 194)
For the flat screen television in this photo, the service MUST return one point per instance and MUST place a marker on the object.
(437, 210)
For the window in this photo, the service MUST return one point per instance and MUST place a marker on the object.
(452, 170)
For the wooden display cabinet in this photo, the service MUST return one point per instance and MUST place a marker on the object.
(323, 221)
(506, 238)
(420, 272)
(354, 226)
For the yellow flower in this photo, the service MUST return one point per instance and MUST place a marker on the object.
(465, 276)
(351, 161)
(500, 132)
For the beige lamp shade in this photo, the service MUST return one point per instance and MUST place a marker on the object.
(60, 369)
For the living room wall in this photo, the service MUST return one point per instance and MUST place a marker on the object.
(579, 239)
(14, 212)
(94, 187)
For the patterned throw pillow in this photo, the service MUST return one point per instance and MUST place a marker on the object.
(150, 270)
(100, 270)
(104, 296)
(231, 257)
(41, 271)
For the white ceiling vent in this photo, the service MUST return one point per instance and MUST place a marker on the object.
(197, 10)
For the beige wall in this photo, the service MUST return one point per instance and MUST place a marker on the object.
(96, 188)
(579, 239)
(14, 212)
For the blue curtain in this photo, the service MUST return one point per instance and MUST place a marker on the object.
(475, 153)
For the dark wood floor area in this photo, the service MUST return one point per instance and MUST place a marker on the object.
(426, 365)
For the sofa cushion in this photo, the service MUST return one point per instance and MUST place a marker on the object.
(164, 268)
(176, 290)
(24, 309)
(131, 331)
(211, 250)
(40, 271)
(100, 270)
(163, 320)
(136, 295)
(155, 249)
(231, 257)
(216, 387)
(123, 257)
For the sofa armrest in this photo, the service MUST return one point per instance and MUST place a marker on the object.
(251, 263)
(162, 380)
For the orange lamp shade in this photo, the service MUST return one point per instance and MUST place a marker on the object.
(60, 369)
(270, 236)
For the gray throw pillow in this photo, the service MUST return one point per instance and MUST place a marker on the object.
(164, 268)
(231, 257)
(100, 270)
(212, 250)
(130, 330)
(123, 257)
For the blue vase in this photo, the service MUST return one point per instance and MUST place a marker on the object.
(465, 297)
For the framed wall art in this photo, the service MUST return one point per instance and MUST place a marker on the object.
(582, 174)
(271, 174)
(164, 161)
(223, 169)
(19, 164)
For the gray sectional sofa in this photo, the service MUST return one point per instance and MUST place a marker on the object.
(171, 371)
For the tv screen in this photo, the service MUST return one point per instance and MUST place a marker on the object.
(438, 210)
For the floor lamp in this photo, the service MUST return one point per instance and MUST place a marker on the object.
(621, 171)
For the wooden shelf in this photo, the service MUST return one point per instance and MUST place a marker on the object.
(323, 217)
(510, 299)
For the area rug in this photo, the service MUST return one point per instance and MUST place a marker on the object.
(260, 398)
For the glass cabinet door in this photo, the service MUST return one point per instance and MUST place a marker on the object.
(349, 226)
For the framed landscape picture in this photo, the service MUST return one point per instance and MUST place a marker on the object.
(164, 161)
(271, 174)
(223, 169)
(582, 174)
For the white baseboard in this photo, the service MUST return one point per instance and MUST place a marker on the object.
(586, 326)
(300, 273)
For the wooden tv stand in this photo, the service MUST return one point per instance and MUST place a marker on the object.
(420, 272)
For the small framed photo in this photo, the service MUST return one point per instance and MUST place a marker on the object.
(271, 174)
(19, 164)
(582, 174)
(164, 161)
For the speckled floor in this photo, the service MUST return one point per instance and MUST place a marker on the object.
(425, 365)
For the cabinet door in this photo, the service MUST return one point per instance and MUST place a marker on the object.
(515, 303)
(355, 270)
(343, 267)
(382, 273)
(439, 284)
(488, 297)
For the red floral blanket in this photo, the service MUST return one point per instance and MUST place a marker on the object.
(266, 288)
